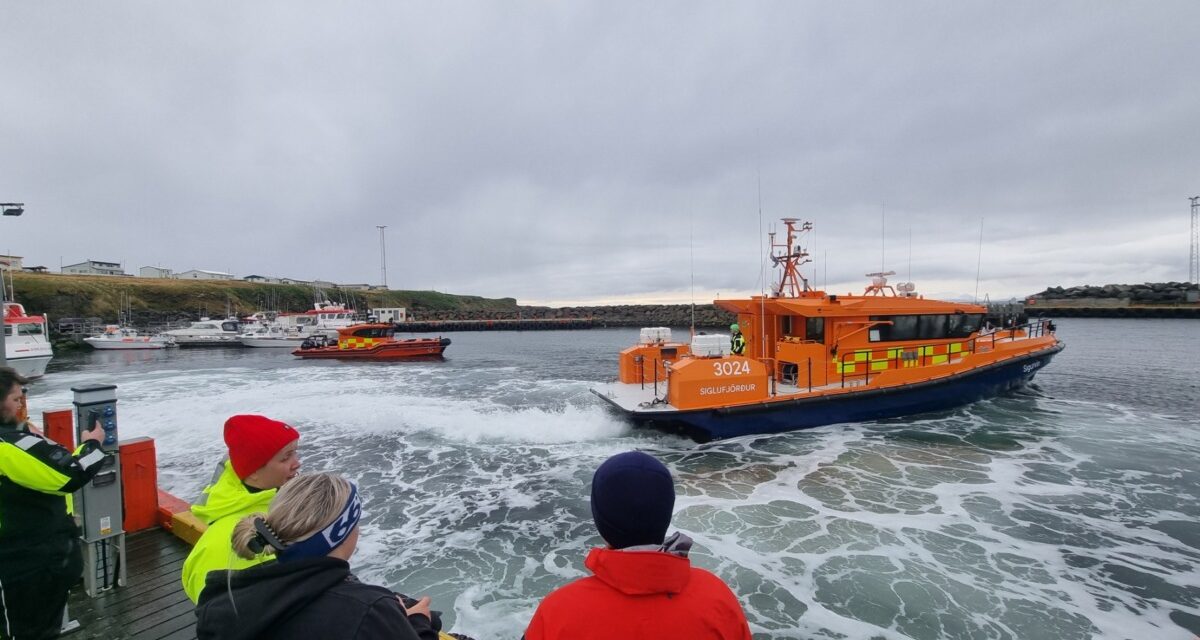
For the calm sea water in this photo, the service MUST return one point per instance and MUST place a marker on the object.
(1069, 510)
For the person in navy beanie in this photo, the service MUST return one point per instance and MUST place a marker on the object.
(642, 583)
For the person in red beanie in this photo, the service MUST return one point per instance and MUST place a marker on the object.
(262, 457)
(642, 584)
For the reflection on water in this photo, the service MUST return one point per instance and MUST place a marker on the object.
(1066, 511)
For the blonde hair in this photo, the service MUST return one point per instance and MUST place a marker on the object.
(303, 506)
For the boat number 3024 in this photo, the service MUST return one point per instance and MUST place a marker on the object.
(731, 368)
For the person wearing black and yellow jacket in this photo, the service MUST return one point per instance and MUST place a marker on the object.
(41, 556)
(737, 342)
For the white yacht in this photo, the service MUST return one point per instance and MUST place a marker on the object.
(26, 341)
(273, 335)
(206, 333)
(117, 337)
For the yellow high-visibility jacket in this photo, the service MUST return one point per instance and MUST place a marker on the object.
(227, 501)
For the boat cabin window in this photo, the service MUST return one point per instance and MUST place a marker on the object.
(29, 329)
(814, 329)
(925, 327)
(931, 327)
(962, 325)
(374, 332)
(229, 326)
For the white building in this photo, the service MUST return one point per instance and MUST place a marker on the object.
(95, 268)
(392, 314)
(201, 274)
(155, 272)
(11, 262)
(263, 279)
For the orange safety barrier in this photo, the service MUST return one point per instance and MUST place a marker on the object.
(139, 482)
(59, 426)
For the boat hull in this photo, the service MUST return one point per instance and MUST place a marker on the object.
(396, 350)
(271, 343)
(792, 414)
(207, 341)
(30, 366)
(126, 345)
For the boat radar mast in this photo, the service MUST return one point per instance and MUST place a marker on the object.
(791, 283)
(879, 286)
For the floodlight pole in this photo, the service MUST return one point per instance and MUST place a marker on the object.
(10, 209)
(382, 254)
(1194, 259)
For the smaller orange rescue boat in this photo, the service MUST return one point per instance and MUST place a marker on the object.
(371, 341)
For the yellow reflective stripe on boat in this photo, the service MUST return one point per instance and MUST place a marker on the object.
(861, 356)
(939, 359)
(879, 365)
(956, 347)
(926, 350)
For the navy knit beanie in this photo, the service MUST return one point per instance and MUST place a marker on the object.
(632, 500)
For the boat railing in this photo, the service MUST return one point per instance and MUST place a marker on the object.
(655, 363)
(933, 353)
(1033, 329)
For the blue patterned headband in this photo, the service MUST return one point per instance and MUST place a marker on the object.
(331, 537)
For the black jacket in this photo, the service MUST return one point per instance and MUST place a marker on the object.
(315, 598)
(36, 475)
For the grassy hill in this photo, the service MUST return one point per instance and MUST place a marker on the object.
(153, 299)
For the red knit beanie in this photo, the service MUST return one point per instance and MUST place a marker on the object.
(254, 440)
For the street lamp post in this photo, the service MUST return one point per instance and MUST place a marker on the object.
(9, 209)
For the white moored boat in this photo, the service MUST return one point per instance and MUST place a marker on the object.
(206, 333)
(118, 337)
(272, 336)
(26, 341)
(291, 329)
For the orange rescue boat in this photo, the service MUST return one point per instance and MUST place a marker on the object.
(371, 341)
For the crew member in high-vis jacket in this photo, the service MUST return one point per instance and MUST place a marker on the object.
(737, 342)
(41, 555)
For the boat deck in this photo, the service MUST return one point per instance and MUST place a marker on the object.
(635, 398)
(152, 605)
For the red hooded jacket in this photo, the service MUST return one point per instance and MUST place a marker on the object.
(640, 594)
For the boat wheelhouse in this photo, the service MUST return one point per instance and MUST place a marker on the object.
(812, 358)
(206, 333)
(26, 341)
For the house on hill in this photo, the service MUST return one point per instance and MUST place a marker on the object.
(202, 274)
(95, 268)
(155, 272)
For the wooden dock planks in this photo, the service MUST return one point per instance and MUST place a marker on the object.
(151, 606)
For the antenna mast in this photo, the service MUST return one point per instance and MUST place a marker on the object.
(791, 283)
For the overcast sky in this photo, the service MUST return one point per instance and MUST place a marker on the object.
(574, 152)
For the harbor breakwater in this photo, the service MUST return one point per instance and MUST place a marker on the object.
(1148, 300)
